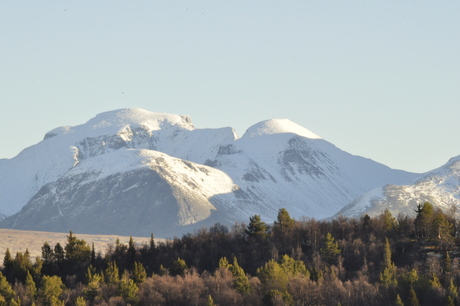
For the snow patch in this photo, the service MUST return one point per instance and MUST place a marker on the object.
(279, 126)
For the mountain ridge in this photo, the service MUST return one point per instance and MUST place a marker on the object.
(275, 164)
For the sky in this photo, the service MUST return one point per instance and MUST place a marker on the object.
(379, 79)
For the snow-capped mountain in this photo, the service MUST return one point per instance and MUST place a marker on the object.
(135, 172)
(440, 187)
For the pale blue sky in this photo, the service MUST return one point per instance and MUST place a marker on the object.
(380, 79)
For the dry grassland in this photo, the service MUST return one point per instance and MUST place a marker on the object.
(19, 241)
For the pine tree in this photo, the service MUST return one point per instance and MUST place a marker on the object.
(223, 263)
(111, 274)
(388, 274)
(447, 263)
(128, 289)
(452, 290)
(273, 276)
(293, 267)
(80, 301)
(256, 228)
(399, 302)
(51, 289)
(76, 250)
(93, 254)
(413, 299)
(94, 281)
(31, 288)
(389, 222)
(240, 280)
(131, 252)
(210, 301)
(152, 243)
(284, 221)
(139, 274)
(47, 253)
(58, 253)
(5, 288)
(178, 267)
(8, 264)
(331, 249)
(434, 282)
(424, 220)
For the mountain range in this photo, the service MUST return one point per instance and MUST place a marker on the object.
(135, 172)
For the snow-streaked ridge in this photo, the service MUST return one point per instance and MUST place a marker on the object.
(440, 187)
(196, 174)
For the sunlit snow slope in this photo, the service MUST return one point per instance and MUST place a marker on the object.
(440, 187)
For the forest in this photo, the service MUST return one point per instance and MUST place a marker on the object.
(383, 260)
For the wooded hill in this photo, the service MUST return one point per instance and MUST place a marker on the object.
(368, 261)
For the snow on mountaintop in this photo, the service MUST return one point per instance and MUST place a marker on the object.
(119, 119)
(277, 163)
(279, 126)
(440, 187)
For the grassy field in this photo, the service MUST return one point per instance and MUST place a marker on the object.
(19, 241)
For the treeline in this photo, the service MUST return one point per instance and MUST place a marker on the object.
(384, 260)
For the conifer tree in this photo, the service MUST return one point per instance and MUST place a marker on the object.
(139, 275)
(452, 291)
(7, 262)
(223, 263)
(131, 252)
(59, 254)
(284, 221)
(6, 291)
(51, 289)
(447, 263)
(240, 280)
(94, 281)
(256, 228)
(413, 299)
(128, 289)
(47, 253)
(399, 302)
(152, 243)
(389, 222)
(331, 250)
(111, 274)
(76, 250)
(293, 267)
(178, 267)
(210, 301)
(273, 276)
(31, 288)
(80, 301)
(388, 274)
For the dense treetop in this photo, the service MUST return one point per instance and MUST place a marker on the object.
(384, 260)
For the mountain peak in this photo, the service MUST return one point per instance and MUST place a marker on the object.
(279, 126)
(118, 119)
(139, 116)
